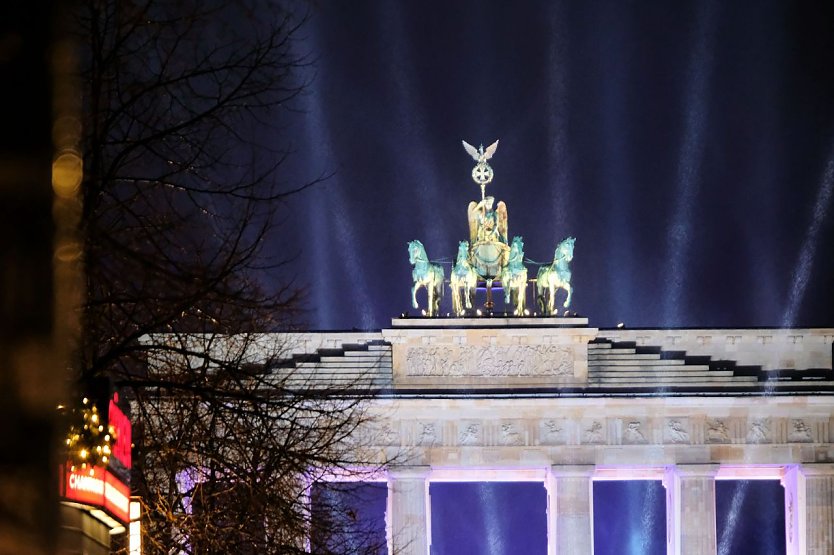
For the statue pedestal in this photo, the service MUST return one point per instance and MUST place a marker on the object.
(489, 352)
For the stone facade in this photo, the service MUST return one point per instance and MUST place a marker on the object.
(520, 399)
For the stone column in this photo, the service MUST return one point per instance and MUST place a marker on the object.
(816, 517)
(407, 520)
(690, 509)
(569, 518)
(794, 483)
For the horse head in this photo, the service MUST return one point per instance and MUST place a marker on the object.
(517, 249)
(463, 251)
(415, 250)
(565, 250)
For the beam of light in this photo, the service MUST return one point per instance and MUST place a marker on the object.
(331, 208)
(636, 506)
(802, 272)
(726, 540)
(348, 246)
(559, 163)
(689, 162)
(616, 170)
(649, 517)
(767, 166)
(322, 291)
(412, 153)
(494, 539)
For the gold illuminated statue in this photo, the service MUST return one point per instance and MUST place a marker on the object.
(488, 247)
(488, 256)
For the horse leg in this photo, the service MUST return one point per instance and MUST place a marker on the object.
(470, 292)
(522, 297)
(551, 299)
(569, 289)
(414, 294)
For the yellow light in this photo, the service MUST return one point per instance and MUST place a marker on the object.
(83, 454)
(94, 418)
(104, 459)
(67, 170)
(85, 400)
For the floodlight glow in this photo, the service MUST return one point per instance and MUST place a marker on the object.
(803, 269)
(726, 540)
(689, 164)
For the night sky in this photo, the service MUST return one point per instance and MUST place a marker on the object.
(688, 146)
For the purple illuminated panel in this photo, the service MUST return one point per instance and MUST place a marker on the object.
(474, 518)
(348, 518)
(629, 517)
(750, 517)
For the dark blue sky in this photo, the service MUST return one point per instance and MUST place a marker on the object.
(684, 145)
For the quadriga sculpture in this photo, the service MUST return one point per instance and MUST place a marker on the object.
(514, 277)
(425, 274)
(464, 280)
(555, 276)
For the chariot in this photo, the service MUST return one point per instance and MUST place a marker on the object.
(488, 257)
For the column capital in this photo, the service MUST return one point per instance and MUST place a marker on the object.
(572, 470)
(413, 472)
(695, 470)
(817, 469)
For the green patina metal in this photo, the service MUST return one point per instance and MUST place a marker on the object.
(555, 276)
(425, 274)
(488, 256)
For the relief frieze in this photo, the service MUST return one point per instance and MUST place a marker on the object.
(759, 432)
(799, 432)
(559, 431)
(717, 432)
(633, 432)
(676, 431)
(510, 434)
(593, 433)
(552, 432)
(489, 360)
(470, 434)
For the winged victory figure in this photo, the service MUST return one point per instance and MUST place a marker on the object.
(480, 155)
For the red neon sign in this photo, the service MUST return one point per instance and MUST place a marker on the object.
(121, 423)
(97, 487)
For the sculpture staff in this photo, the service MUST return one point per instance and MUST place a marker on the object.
(482, 173)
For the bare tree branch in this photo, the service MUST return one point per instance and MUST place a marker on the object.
(181, 192)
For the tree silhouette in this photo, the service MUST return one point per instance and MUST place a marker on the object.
(182, 189)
